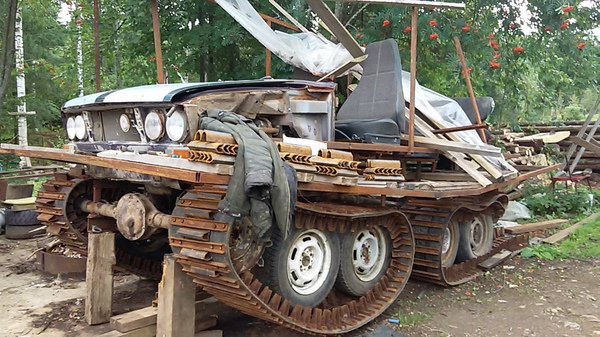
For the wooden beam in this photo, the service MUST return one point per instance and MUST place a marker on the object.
(563, 234)
(585, 144)
(416, 3)
(463, 63)
(534, 226)
(343, 68)
(336, 27)
(276, 21)
(495, 260)
(449, 145)
(160, 72)
(288, 16)
(137, 167)
(99, 277)
(97, 45)
(176, 301)
(413, 78)
(134, 319)
(462, 128)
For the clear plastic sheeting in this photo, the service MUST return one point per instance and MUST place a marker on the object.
(446, 112)
(307, 51)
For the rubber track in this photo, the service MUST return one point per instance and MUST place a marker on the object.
(428, 248)
(202, 247)
(56, 212)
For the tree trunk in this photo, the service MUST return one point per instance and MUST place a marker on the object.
(7, 46)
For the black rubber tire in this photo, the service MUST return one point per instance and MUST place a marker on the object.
(276, 268)
(20, 232)
(153, 248)
(450, 257)
(21, 218)
(466, 250)
(347, 279)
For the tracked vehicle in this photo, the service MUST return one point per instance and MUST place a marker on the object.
(364, 212)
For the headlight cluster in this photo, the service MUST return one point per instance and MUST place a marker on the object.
(175, 125)
(76, 128)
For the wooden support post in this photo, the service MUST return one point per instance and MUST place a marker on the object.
(99, 277)
(176, 301)
(463, 62)
(413, 79)
(160, 72)
(268, 57)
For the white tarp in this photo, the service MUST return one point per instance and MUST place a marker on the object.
(445, 111)
(320, 56)
(307, 51)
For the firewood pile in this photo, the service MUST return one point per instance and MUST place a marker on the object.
(530, 148)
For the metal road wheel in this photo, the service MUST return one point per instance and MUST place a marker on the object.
(450, 243)
(303, 267)
(476, 237)
(367, 255)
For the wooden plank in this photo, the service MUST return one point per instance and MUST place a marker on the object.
(465, 70)
(296, 23)
(134, 319)
(186, 174)
(534, 226)
(546, 138)
(338, 29)
(462, 128)
(449, 145)
(343, 68)
(563, 234)
(176, 298)
(211, 333)
(495, 260)
(99, 277)
(456, 157)
(586, 144)
(147, 331)
(437, 4)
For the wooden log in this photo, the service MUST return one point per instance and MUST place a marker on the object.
(534, 226)
(176, 296)
(99, 277)
(563, 234)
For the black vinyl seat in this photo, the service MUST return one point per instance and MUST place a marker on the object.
(374, 112)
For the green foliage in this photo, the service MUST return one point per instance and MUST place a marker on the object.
(584, 242)
(411, 318)
(561, 203)
(544, 252)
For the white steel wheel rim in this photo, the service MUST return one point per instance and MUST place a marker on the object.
(446, 241)
(477, 231)
(368, 253)
(309, 262)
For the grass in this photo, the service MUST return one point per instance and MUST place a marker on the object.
(584, 242)
(411, 318)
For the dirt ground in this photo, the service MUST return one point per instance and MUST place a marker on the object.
(523, 297)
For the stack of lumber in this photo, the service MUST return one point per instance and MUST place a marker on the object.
(527, 149)
(142, 322)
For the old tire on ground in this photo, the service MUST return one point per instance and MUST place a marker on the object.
(303, 267)
(21, 218)
(476, 237)
(366, 257)
(20, 232)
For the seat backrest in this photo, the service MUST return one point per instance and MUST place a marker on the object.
(485, 105)
(379, 92)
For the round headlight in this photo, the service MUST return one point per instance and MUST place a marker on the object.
(154, 125)
(71, 128)
(177, 126)
(80, 130)
(125, 123)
